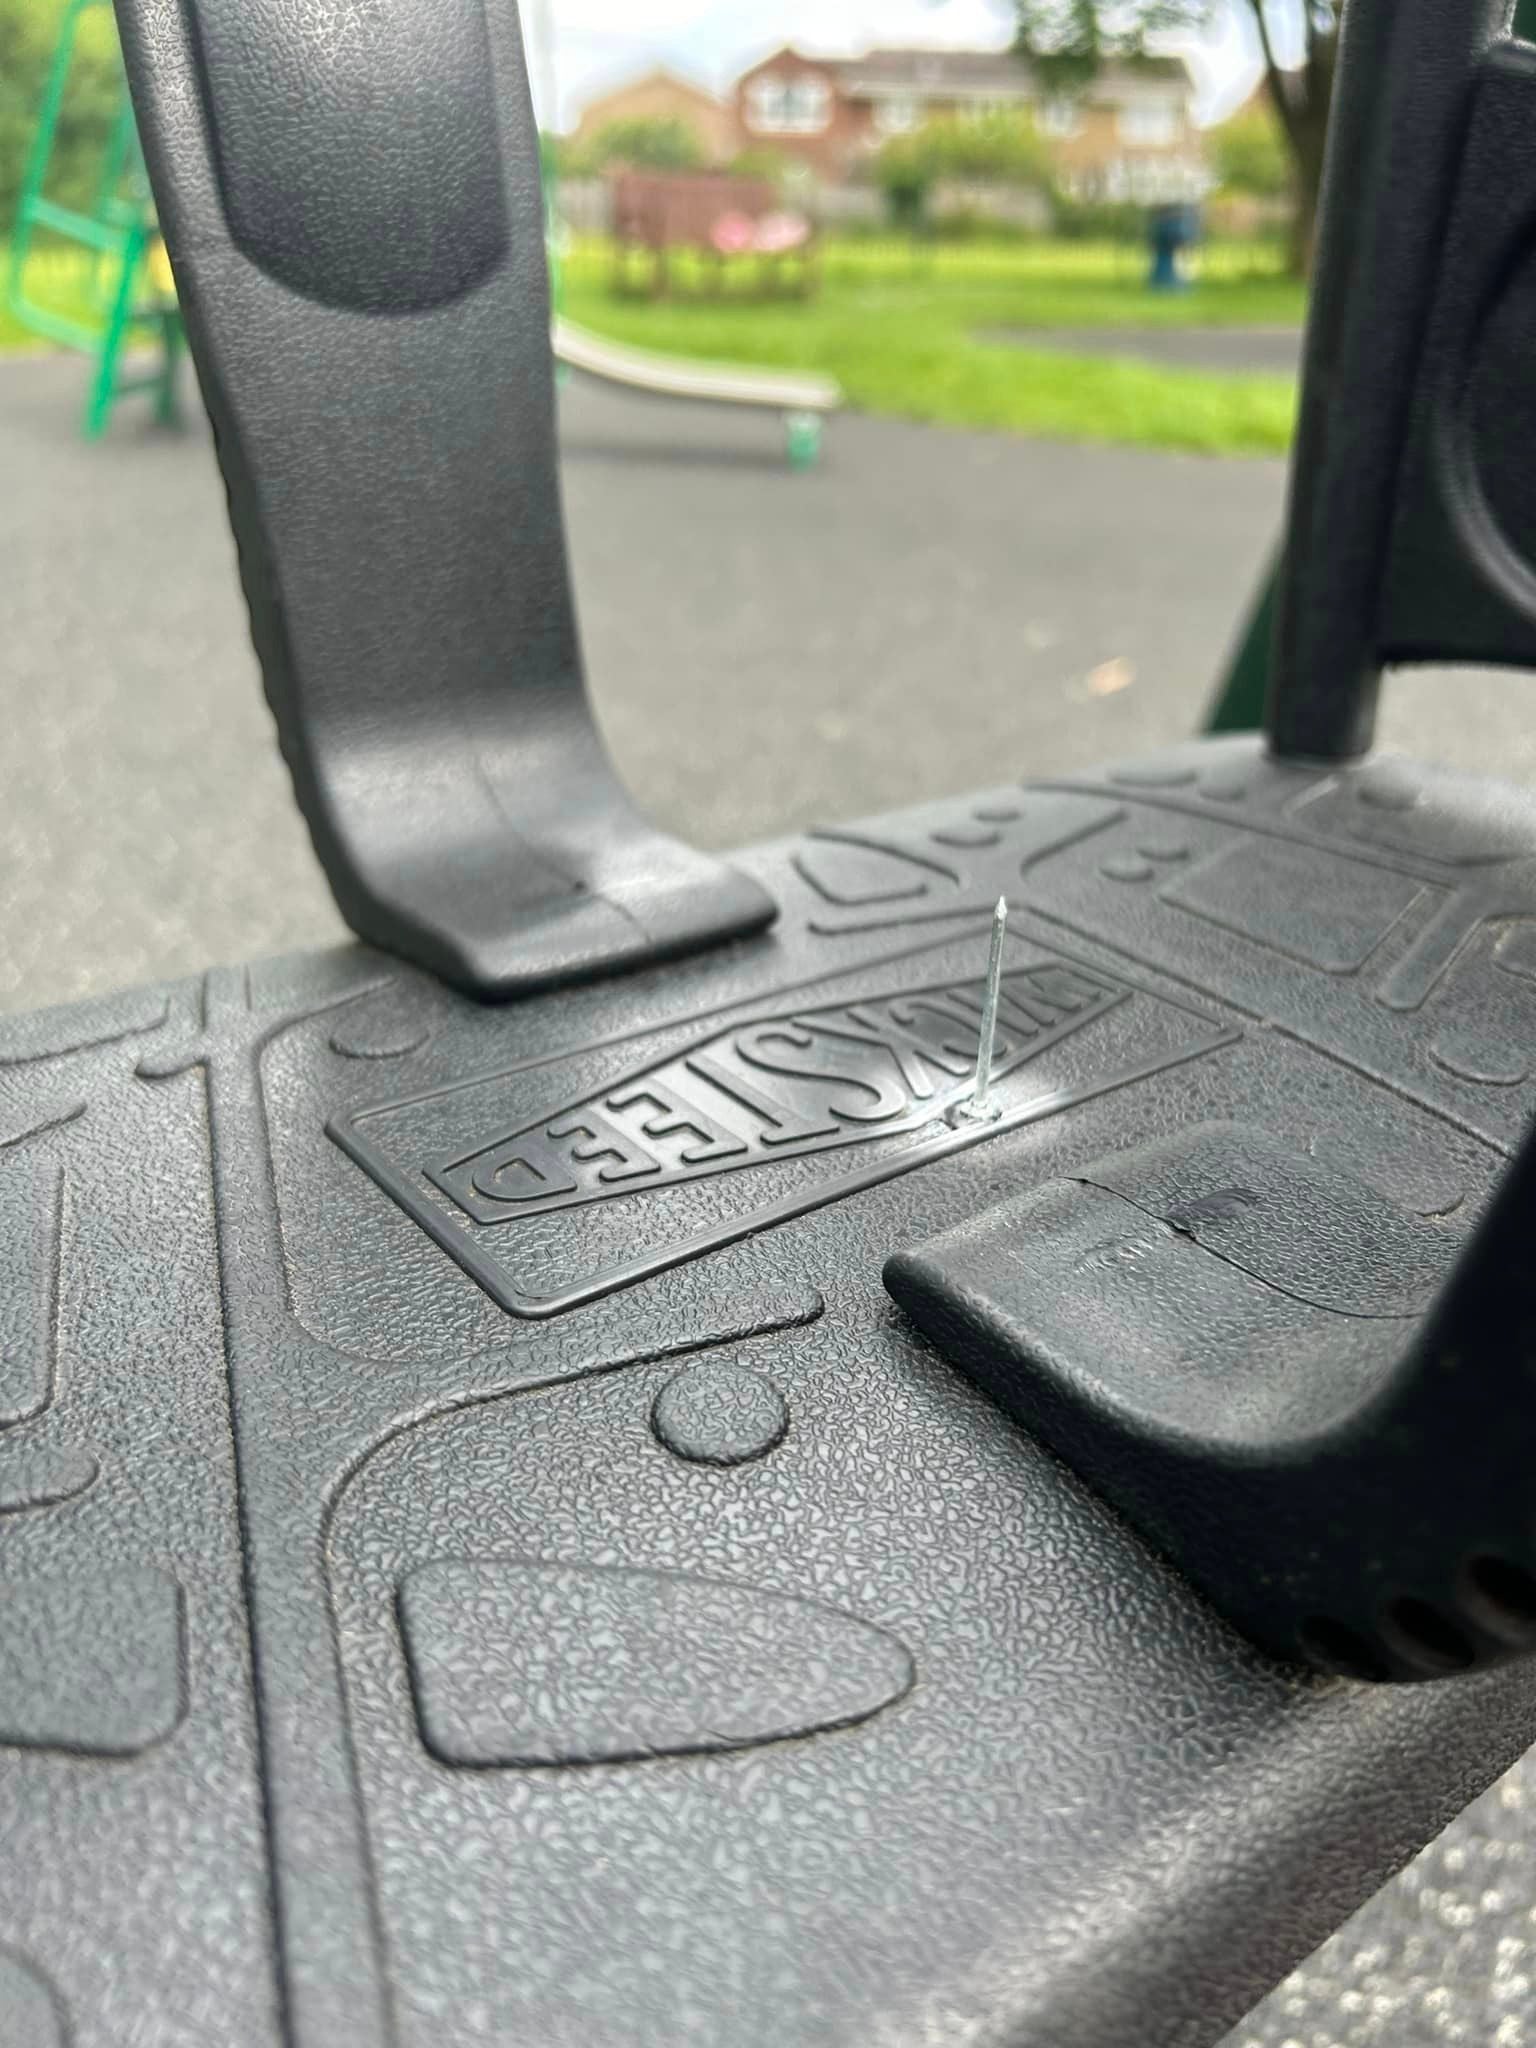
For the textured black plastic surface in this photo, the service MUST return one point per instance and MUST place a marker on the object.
(896, 1732)
(1462, 572)
(1219, 1330)
(350, 198)
(1286, 1377)
(1412, 527)
(483, 1559)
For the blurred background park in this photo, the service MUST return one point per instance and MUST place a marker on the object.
(978, 202)
(1017, 287)
(1040, 264)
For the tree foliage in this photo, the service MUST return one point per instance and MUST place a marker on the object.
(1069, 41)
(768, 165)
(1248, 154)
(650, 143)
(28, 32)
(999, 149)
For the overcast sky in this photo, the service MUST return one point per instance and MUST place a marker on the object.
(598, 43)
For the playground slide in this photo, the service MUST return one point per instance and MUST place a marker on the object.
(803, 398)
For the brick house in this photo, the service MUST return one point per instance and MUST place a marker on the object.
(793, 106)
(662, 96)
(1129, 136)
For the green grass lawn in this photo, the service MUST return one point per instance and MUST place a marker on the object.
(905, 334)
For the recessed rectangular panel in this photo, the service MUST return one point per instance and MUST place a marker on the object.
(563, 1179)
(90, 1662)
(1302, 901)
(31, 1195)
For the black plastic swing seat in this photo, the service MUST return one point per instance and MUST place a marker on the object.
(565, 1507)
(445, 1605)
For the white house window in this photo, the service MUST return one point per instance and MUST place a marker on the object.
(1151, 181)
(1153, 124)
(1060, 118)
(789, 106)
(899, 115)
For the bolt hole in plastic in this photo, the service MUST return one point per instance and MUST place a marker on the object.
(1341, 1649)
(1422, 1636)
(1502, 1598)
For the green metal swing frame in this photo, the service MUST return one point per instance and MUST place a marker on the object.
(119, 230)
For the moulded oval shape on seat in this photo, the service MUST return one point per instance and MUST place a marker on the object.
(518, 1663)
